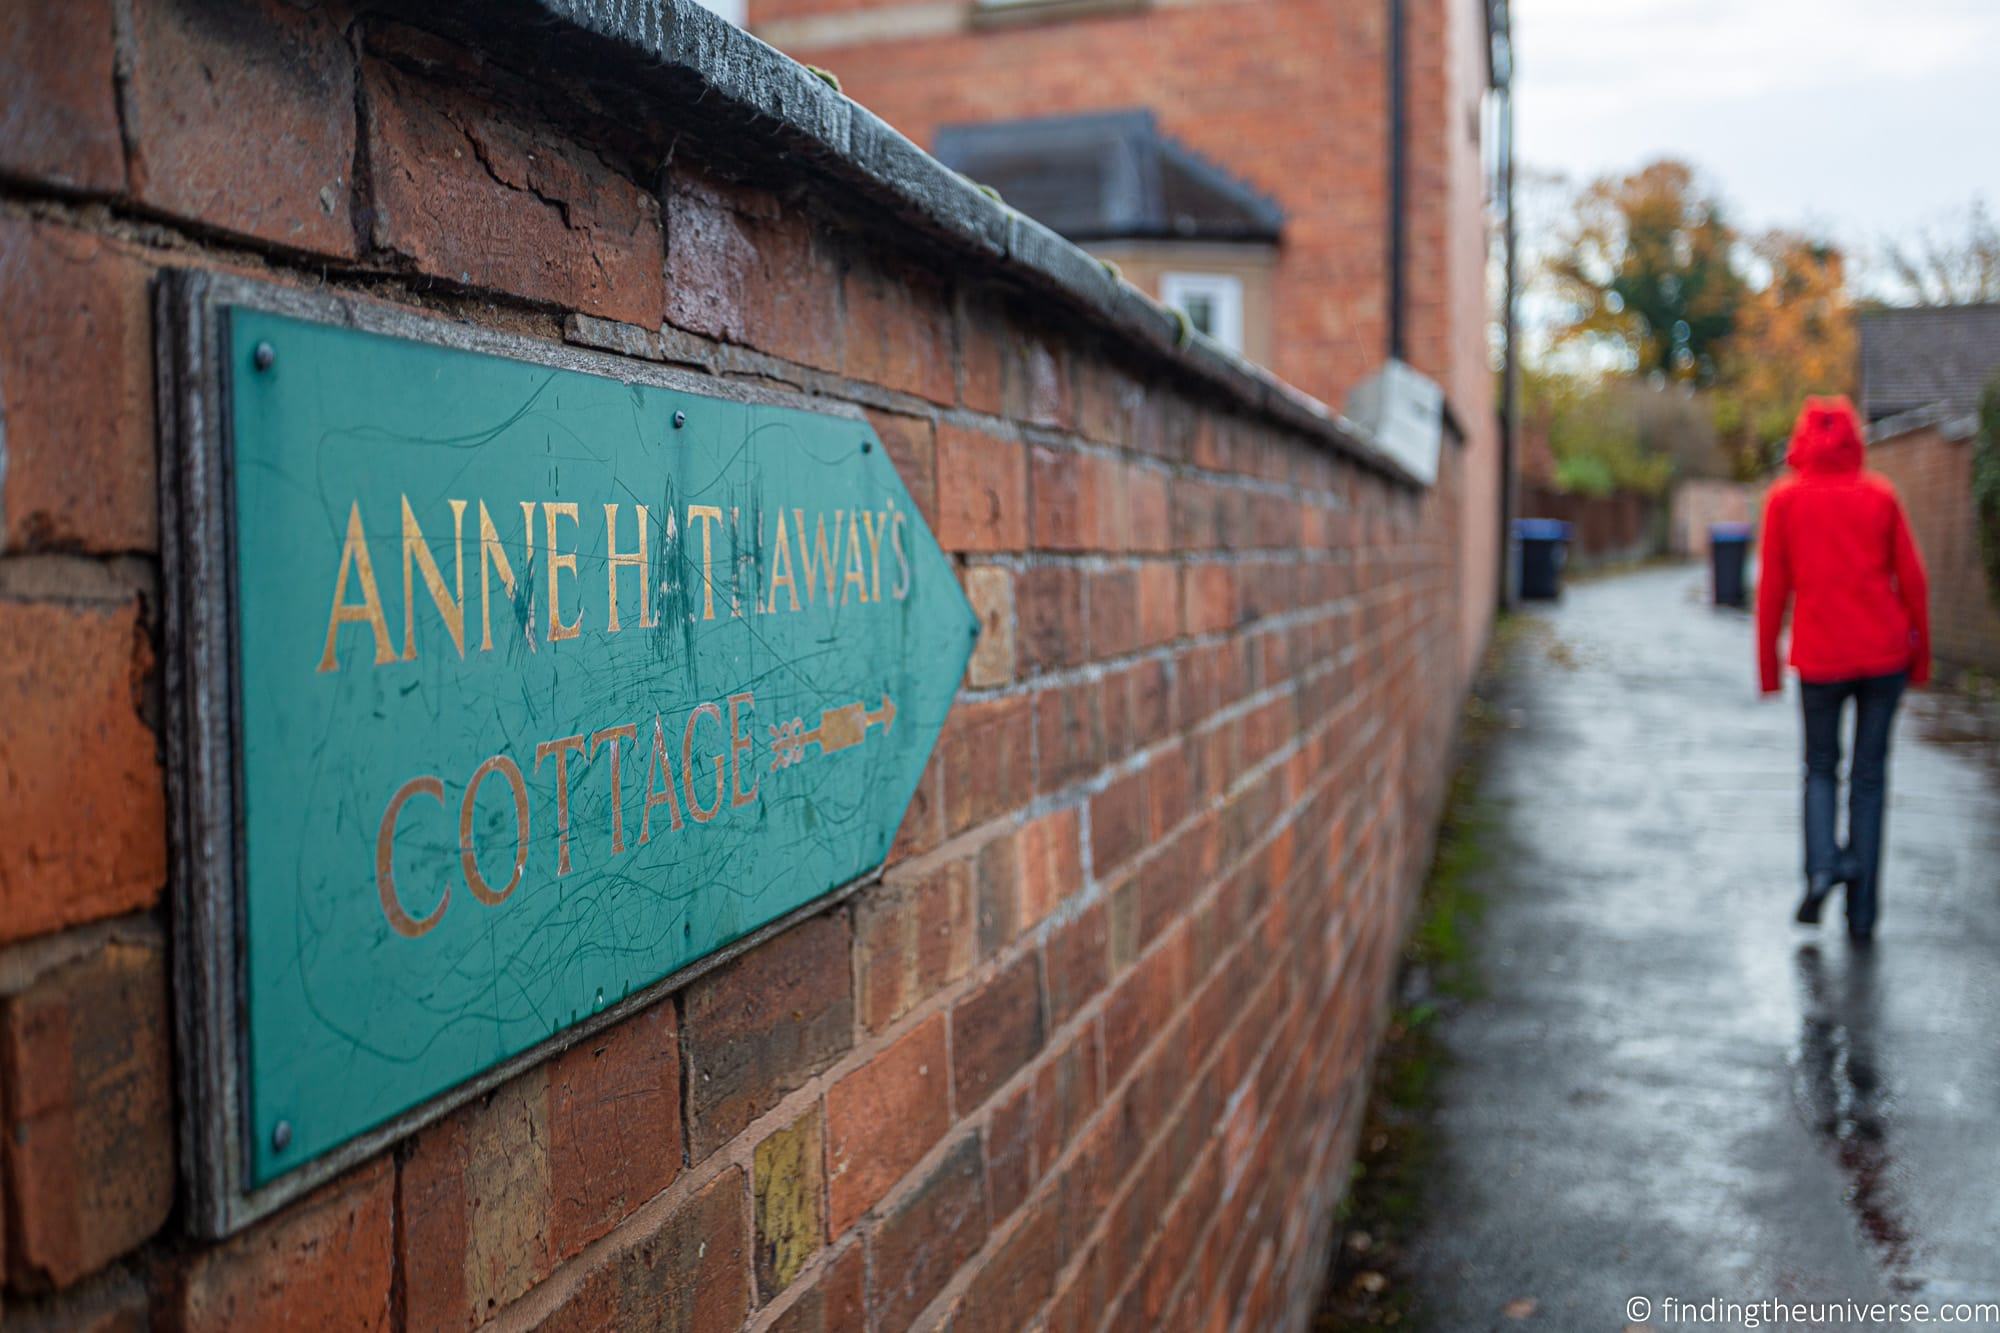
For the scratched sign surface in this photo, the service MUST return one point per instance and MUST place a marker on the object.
(543, 696)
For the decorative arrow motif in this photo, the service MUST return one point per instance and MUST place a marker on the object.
(838, 729)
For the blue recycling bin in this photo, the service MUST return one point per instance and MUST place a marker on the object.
(1728, 549)
(1544, 547)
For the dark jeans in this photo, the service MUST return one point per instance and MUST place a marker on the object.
(1859, 863)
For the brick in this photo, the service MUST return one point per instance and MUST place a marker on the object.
(764, 1023)
(691, 1274)
(743, 270)
(79, 447)
(982, 500)
(788, 1202)
(469, 194)
(923, 819)
(60, 121)
(1051, 864)
(1114, 612)
(1150, 694)
(1208, 598)
(113, 1302)
(1139, 1009)
(996, 879)
(1066, 1093)
(981, 329)
(1063, 488)
(1035, 379)
(836, 1300)
(475, 1199)
(614, 1112)
(1078, 961)
(83, 779)
(1009, 1153)
(86, 1087)
(1051, 631)
(1015, 1283)
(241, 118)
(940, 1226)
(883, 1118)
(1069, 735)
(994, 1032)
(331, 1254)
(1107, 400)
(897, 330)
(988, 757)
(1118, 823)
(990, 589)
(912, 939)
(912, 446)
(1148, 517)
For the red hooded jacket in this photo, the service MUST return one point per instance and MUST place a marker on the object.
(1836, 545)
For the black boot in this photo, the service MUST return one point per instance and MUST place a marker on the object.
(1861, 910)
(1817, 889)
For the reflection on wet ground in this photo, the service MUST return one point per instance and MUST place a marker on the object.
(1668, 1088)
(1843, 1093)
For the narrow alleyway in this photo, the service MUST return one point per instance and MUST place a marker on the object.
(1667, 1088)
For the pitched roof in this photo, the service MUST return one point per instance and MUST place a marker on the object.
(1928, 357)
(1108, 176)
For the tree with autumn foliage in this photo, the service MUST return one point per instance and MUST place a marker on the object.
(1656, 291)
(1794, 336)
(1646, 270)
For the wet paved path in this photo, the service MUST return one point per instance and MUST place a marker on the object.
(1667, 1087)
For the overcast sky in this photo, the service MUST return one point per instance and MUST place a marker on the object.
(1862, 119)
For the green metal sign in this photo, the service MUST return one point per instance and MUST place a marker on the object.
(548, 680)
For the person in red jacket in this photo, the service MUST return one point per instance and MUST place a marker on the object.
(1837, 549)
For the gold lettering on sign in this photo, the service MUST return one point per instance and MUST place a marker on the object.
(896, 522)
(417, 551)
(611, 736)
(557, 564)
(874, 557)
(814, 573)
(781, 568)
(738, 743)
(616, 560)
(492, 555)
(702, 814)
(468, 855)
(709, 515)
(856, 576)
(560, 748)
(354, 556)
(401, 921)
(663, 794)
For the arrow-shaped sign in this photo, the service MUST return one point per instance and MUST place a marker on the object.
(838, 729)
(482, 845)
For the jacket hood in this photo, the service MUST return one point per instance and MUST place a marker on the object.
(1827, 437)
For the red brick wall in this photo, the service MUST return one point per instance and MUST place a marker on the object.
(1933, 475)
(1091, 1050)
(1290, 95)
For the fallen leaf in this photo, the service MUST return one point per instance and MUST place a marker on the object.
(1519, 1309)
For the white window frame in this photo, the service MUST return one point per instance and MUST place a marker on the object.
(1223, 292)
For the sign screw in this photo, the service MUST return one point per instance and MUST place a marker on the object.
(264, 356)
(680, 419)
(281, 1135)
(867, 446)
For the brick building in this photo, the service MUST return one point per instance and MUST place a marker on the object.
(1293, 98)
(1087, 1048)
(1922, 372)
